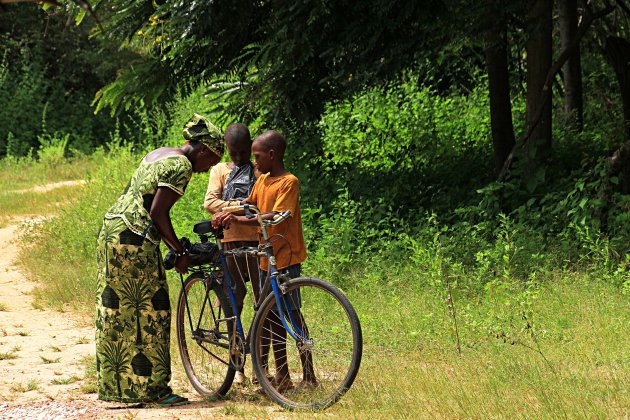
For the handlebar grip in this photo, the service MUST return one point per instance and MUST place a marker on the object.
(232, 208)
(280, 217)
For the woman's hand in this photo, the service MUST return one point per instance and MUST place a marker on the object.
(181, 263)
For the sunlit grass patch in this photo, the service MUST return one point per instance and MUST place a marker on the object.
(14, 204)
(8, 355)
(31, 385)
(89, 385)
(65, 381)
(23, 173)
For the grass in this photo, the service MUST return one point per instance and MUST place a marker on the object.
(65, 381)
(23, 333)
(89, 381)
(411, 368)
(47, 360)
(8, 356)
(66, 264)
(3, 307)
(23, 174)
(31, 385)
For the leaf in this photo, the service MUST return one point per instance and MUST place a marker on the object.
(79, 18)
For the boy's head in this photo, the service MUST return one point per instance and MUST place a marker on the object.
(239, 143)
(268, 150)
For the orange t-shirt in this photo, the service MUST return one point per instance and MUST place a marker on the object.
(280, 193)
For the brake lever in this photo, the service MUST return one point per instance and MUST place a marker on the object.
(248, 212)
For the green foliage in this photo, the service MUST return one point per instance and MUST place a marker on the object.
(303, 53)
(49, 73)
(52, 149)
(406, 146)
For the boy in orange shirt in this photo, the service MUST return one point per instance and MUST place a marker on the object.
(275, 191)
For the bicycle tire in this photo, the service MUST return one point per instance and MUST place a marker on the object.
(210, 377)
(324, 312)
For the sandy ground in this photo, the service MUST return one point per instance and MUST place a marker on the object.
(39, 349)
(43, 352)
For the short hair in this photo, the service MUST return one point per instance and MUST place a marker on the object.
(237, 133)
(273, 140)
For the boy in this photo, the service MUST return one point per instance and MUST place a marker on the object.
(275, 191)
(229, 184)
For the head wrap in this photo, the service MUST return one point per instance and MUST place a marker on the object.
(198, 128)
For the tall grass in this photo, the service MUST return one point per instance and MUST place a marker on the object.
(60, 252)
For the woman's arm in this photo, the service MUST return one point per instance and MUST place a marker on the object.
(160, 214)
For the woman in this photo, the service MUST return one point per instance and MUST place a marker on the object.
(132, 303)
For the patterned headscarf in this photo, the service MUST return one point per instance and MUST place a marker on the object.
(198, 128)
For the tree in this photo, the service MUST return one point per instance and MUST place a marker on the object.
(303, 53)
(539, 48)
(496, 54)
(618, 53)
(572, 69)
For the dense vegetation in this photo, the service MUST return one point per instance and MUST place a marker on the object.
(449, 220)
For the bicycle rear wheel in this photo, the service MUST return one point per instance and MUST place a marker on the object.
(204, 348)
(324, 362)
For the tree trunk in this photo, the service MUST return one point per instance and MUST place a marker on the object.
(499, 90)
(539, 26)
(618, 54)
(572, 69)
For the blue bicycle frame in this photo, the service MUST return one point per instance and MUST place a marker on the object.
(276, 291)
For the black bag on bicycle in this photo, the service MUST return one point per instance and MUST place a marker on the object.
(200, 254)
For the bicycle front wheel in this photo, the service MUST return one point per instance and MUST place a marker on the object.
(315, 370)
(204, 337)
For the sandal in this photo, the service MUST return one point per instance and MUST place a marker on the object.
(172, 400)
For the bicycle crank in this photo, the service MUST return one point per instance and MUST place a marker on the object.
(237, 351)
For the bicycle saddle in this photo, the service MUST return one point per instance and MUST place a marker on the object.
(204, 227)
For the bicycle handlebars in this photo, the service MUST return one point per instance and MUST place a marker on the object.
(252, 211)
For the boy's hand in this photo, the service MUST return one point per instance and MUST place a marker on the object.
(223, 219)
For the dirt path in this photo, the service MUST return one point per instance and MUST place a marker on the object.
(52, 186)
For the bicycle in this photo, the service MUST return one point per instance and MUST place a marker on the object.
(316, 317)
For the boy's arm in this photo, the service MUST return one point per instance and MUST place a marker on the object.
(213, 202)
(227, 218)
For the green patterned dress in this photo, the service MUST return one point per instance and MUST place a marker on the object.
(132, 304)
